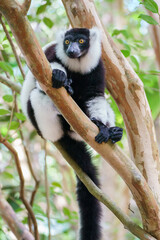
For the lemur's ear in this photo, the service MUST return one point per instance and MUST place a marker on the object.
(95, 33)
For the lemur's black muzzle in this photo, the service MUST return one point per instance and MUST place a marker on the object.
(73, 50)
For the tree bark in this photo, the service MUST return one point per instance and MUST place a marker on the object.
(126, 89)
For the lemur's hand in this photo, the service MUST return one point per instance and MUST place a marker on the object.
(59, 79)
(68, 86)
(105, 133)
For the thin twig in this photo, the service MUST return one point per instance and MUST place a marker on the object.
(37, 181)
(7, 213)
(47, 191)
(25, 6)
(12, 46)
(11, 117)
(22, 190)
(14, 86)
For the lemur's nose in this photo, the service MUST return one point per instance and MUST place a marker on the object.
(73, 50)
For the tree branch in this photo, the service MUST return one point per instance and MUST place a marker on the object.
(96, 192)
(26, 6)
(14, 86)
(22, 191)
(12, 46)
(47, 191)
(11, 219)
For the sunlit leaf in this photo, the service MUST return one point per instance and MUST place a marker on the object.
(6, 67)
(134, 60)
(48, 22)
(20, 116)
(8, 98)
(3, 111)
(151, 5)
(148, 19)
(14, 125)
(126, 53)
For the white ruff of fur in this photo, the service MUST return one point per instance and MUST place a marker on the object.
(86, 63)
(100, 109)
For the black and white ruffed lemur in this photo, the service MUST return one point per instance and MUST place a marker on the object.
(76, 65)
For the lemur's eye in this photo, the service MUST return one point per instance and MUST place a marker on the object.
(81, 41)
(67, 41)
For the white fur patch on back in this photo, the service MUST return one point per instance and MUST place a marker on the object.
(46, 115)
(100, 109)
(86, 63)
(27, 87)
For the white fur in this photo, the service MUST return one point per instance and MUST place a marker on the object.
(27, 87)
(55, 65)
(86, 63)
(100, 109)
(46, 115)
(75, 136)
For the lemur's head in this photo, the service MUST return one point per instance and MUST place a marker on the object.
(79, 48)
(76, 42)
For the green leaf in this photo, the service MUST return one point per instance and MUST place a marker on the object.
(48, 22)
(20, 116)
(41, 9)
(56, 184)
(3, 111)
(148, 19)
(134, 60)
(5, 46)
(14, 125)
(126, 53)
(8, 98)
(6, 67)
(66, 212)
(151, 5)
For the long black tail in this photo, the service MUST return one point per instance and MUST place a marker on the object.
(90, 209)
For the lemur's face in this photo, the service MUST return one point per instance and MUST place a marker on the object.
(76, 42)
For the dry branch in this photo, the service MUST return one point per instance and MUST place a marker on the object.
(38, 64)
(12, 46)
(14, 86)
(22, 191)
(11, 219)
(26, 6)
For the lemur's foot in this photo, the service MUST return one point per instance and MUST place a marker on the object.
(59, 78)
(105, 133)
(115, 134)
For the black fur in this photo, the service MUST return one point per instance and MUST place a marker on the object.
(85, 87)
(90, 209)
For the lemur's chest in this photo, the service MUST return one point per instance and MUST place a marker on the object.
(80, 84)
